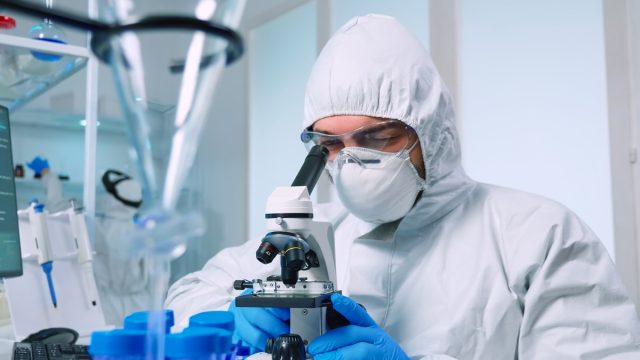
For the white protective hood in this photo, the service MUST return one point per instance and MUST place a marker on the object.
(373, 66)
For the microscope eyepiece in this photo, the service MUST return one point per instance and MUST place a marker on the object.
(312, 168)
(266, 252)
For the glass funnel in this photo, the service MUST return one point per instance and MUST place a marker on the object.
(166, 79)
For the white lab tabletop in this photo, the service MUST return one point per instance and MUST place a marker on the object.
(6, 340)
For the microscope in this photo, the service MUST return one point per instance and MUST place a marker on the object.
(303, 245)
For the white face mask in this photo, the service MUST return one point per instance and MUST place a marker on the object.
(376, 186)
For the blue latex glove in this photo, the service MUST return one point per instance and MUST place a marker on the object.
(363, 339)
(38, 164)
(255, 325)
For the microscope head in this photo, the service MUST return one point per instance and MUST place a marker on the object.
(289, 222)
(292, 233)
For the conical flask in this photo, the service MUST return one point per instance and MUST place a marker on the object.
(166, 79)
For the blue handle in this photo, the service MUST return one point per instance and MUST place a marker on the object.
(47, 267)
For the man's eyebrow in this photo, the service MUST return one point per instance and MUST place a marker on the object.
(322, 131)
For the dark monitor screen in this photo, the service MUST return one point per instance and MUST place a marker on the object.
(10, 257)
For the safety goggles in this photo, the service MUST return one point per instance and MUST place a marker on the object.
(388, 136)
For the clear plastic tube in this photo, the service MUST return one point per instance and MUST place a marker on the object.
(163, 169)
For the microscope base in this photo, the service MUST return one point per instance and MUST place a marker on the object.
(285, 300)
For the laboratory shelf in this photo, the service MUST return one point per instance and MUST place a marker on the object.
(24, 77)
(46, 118)
(32, 184)
(33, 188)
(30, 188)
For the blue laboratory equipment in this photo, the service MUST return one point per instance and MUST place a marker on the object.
(198, 344)
(222, 320)
(41, 237)
(119, 344)
(208, 337)
(46, 30)
(140, 320)
(213, 319)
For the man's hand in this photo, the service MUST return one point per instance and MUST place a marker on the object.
(363, 339)
(255, 325)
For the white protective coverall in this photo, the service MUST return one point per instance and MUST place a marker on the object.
(473, 271)
(123, 281)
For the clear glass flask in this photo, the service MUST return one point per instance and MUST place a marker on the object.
(46, 30)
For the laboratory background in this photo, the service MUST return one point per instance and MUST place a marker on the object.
(547, 95)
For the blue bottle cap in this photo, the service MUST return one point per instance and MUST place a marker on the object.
(192, 343)
(213, 319)
(120, 342)
(138, 320)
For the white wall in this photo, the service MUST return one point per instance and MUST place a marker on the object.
(414, 14)
(281, 53)
(533, 103)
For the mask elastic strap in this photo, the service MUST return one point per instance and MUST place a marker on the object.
(410, 148)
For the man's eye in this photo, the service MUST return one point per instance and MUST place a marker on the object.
(330, 143)
(379, 137)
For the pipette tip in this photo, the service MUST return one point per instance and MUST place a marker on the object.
(47, 267)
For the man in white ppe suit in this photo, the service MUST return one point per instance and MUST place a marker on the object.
(445, 266)
(123, 281)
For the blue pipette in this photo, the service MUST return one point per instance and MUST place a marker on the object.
(41, 237)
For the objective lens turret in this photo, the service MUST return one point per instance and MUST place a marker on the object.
(266, 252)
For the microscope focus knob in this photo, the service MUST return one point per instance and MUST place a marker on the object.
(242, 284)
(287, 347)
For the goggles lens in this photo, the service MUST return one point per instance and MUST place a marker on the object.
(388, 136)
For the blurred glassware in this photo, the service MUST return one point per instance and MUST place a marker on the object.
(8, 59)
(47, 31)
(166, 80)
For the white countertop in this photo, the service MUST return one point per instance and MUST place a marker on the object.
(6, 340)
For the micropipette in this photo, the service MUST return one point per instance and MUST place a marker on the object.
(85, 256)
(41, 236)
